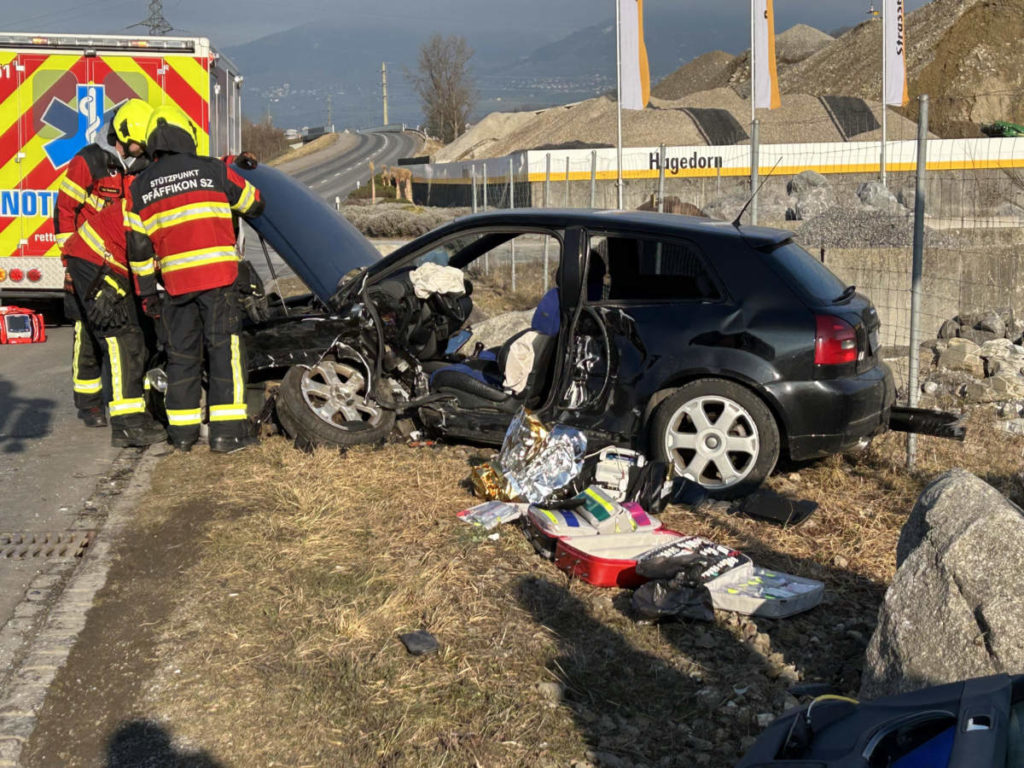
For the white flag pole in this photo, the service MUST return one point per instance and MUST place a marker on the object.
(885, 67)
(753, 114)
(618, 80)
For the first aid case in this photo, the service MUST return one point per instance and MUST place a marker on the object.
(609, 560)
(761, 592)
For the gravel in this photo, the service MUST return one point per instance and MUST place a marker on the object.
(849, 227)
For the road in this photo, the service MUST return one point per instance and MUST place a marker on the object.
(334, 173)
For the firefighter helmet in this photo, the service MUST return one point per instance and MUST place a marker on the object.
(168, 126)
(131, 121)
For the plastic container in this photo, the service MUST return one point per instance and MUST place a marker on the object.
(491, 514)
(761, 592)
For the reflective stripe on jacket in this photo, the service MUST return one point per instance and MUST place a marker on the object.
(101, 240)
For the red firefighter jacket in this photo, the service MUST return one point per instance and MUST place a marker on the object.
(93, 179)
(180, 212)
(102, 240)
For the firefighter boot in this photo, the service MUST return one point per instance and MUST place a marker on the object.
(230, 443)
(128, 432)
(94, 416)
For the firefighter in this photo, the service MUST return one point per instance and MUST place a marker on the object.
(96, 263)
(180, 213)
(95, 177)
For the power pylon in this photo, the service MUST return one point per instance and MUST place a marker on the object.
(156, 22)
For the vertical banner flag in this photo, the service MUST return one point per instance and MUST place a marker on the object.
(896, 54)
(635, 89)
(765, 77)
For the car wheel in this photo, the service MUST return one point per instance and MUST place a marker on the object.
(718, 434)
(326, 404)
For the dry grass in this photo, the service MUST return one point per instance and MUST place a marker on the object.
(286, 630)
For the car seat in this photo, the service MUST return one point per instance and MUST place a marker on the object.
(479, 382)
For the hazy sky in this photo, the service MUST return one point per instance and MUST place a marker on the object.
(539, 21)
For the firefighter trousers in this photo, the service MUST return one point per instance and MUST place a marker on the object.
(122, 344)
(86, 368)
(209, 321)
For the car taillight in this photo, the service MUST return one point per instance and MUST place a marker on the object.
(835, 341)
(16, 275)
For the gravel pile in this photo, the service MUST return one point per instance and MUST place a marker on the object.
(478, 141)
(391, 220)
(850, 227)
(798, 42)
(712, 70)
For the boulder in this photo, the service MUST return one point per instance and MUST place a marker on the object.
(1007, 384)
(977, 336)
(804, 182)
(962, 355)
(950, 329)
(812, 203)
(875, 194)
(981, 392)
(988, 320)
(1000, 349)
(954, 606)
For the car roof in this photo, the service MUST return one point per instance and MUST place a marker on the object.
(627, 221)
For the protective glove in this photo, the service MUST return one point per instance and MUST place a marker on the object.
(246, 161)
(108, 307)
(152, 305)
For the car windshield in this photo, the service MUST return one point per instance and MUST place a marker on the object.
(810, 275)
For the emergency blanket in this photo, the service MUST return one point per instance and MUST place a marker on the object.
(433, 278)
(537, 461)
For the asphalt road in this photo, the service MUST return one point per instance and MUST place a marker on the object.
(49, 462)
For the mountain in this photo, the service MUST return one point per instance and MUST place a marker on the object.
(292, 73)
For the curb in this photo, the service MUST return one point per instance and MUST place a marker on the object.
(48, 650)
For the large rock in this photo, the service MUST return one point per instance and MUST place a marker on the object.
(875, 194)
(962, 355)
(812, 203)
(954, 608)
(988, 320)
(1007, 384)
(804, 182)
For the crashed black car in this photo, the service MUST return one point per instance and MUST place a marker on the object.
(718, 348)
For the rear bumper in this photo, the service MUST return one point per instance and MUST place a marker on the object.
(826, 417)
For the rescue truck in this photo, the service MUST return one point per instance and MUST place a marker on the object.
(57, 94)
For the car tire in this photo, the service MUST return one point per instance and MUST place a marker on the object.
(687, 431)
(323, 404)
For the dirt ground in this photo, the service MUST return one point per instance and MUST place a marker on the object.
(253, 619)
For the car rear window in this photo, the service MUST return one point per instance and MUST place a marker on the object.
(809, 275)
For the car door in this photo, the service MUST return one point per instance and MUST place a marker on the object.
(646, 302)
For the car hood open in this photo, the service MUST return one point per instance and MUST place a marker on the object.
(318, 243)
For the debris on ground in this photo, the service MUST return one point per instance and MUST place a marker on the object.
(419, 643)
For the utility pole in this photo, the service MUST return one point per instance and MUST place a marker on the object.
(330, 116)
(384, 87)
(156, 22)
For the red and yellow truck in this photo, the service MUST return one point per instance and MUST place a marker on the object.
(57, 94)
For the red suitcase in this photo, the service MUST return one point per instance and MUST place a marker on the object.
(609, 560)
